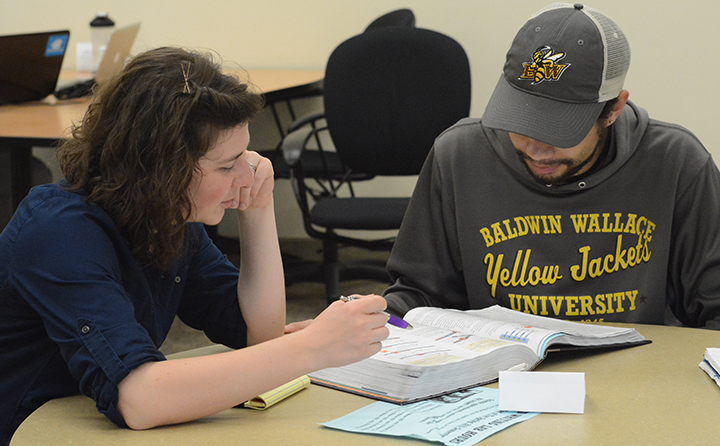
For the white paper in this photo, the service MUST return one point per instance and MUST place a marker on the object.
(712, 355)
(711, 363)
(554, 392)
(710, 371)
(84, 56)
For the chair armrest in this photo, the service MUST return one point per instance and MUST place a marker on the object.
(298, 135)
(305, 120)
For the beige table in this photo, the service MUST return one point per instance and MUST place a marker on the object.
(49, 119)
(45, 123)
(647, 395)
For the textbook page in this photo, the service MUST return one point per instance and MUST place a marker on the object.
(567, 327)
(464, 322)
(427, 345)
(537, 332)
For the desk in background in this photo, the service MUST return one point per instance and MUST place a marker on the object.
(45, 123)
(647, 395)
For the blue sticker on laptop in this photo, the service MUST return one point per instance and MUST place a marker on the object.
(56, 45)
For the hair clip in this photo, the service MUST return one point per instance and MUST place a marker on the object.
(185, 73)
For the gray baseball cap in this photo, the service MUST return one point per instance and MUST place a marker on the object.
(563, 65)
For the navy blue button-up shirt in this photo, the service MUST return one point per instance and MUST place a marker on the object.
(78, 312)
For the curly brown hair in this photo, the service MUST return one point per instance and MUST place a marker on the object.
(136, 149)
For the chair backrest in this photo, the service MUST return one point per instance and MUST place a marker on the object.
(389, 93)
(398, 17)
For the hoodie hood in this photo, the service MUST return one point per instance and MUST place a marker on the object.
(626, 134)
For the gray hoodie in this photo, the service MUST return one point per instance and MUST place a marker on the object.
(617, 245)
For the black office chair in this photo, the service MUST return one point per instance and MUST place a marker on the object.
(318, 163)
(398, 17)
(388, 94)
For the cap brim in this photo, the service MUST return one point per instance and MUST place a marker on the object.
(559, 124)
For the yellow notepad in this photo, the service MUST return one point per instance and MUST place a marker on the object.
(271, 397)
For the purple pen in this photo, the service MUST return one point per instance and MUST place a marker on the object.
(392, 320)
(396, 321)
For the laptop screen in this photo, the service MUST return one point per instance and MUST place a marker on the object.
(117, 51)
(30, 65)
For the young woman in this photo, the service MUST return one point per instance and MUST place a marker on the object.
(93, 270)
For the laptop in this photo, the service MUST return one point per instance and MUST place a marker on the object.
(30, 65)
(116, 53)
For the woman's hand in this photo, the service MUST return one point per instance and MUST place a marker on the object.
(345, 332)
(259, 195)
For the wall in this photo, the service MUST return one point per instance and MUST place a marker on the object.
(672, 74)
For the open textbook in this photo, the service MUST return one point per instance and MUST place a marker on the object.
(450, 350)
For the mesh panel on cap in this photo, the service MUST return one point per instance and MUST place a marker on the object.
(617, 55)
(551, 7)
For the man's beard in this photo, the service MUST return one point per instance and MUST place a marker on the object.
(573, 167)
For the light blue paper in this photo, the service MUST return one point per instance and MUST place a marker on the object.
(458, 419)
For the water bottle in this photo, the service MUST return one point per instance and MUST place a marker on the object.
(101, 28)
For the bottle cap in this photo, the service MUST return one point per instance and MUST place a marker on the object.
(102, 19)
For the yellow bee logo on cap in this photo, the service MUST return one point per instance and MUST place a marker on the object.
(544, 66)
